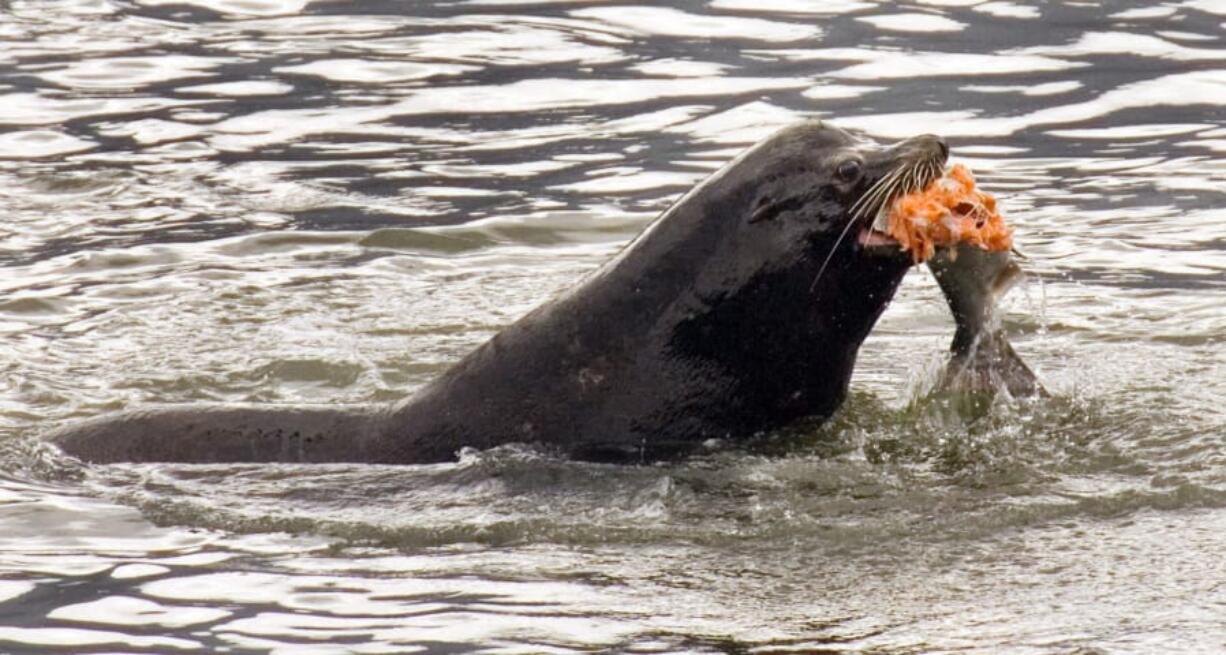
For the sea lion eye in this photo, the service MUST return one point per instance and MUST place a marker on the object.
(849, 170)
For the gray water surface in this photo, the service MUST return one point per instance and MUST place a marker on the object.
(286, 201)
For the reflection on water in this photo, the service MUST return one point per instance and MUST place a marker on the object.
(317, 201)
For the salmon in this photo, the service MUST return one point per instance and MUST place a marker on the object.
(982, 361)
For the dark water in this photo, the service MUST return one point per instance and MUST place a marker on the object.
(297, 200)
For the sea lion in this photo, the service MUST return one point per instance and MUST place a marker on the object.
(740, 309)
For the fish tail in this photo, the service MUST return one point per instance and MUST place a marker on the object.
(988, 365)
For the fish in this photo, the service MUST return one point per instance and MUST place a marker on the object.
(982, 361)
(938, 215)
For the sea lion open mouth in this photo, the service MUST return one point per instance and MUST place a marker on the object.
(871, 239)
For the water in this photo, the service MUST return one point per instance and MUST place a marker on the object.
(287, 201)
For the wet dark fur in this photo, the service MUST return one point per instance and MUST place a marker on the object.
(739, 310)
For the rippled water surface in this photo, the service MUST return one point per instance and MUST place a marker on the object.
(312, 201)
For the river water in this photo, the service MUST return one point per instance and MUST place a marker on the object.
(284, 201)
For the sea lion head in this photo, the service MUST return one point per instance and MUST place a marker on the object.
(799, 204)
(832, 184)
(771, 270)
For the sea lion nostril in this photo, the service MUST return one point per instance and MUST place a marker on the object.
(924, 147)
(934, 144)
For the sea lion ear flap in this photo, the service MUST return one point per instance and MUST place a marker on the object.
(765, 210)
(768, 208)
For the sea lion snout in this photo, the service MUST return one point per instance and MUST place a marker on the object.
(935, 143)
(923, 148)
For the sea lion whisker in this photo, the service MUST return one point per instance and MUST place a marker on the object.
(887, 192)
(868, 203)
(919, 177)
(897, 184)
(863, 200)
(889, 181)
(916, 178)
(902, 180)
(874, 191)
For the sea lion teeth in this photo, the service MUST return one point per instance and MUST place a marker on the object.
(874, 238)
